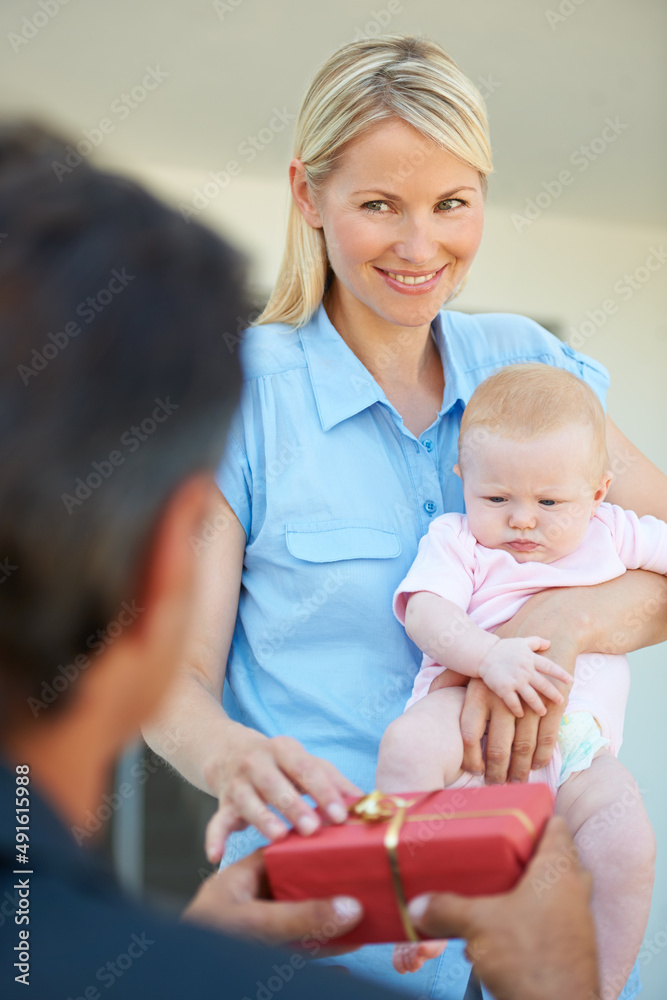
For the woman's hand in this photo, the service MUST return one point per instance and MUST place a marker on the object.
(236, 901)
(515, 746)
(277, 772)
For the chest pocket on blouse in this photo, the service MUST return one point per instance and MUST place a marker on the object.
(331, 541)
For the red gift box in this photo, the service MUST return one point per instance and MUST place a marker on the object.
(394, 847)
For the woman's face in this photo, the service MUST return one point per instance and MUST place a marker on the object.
(402, 221)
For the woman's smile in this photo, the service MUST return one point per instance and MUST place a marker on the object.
(411, 282)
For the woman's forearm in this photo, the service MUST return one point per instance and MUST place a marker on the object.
(624, 614)
(195, 735)
(618, 616)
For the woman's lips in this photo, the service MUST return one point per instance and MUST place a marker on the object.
(407, 289)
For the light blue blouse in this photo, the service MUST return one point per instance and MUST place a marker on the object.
(334, 493)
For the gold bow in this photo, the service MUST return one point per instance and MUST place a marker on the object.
(378, 808)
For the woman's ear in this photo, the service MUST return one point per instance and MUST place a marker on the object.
(302, 194)
(457, 470)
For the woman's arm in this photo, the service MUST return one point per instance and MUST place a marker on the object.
(619, 616)
(241, 767)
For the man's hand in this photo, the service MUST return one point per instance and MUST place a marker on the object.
(536, 942)
(236, 901)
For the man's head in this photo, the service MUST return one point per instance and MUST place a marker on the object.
(116, 389)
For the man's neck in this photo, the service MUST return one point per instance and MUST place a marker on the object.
(69, 764)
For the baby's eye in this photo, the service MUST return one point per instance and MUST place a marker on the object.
(496, 499)
(548, 503)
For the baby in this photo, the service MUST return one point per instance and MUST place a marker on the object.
(535, 472)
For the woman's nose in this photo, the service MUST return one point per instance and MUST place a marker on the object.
(416, 242)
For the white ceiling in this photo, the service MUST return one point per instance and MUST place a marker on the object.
(554, 84)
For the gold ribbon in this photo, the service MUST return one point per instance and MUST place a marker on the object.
(377, 807)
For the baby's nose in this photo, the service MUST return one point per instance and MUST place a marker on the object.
(522, 517)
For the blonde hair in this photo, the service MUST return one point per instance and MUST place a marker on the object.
(524, 402)
(364, 83)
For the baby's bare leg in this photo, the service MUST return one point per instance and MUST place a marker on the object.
(615, 840)
(422, 749)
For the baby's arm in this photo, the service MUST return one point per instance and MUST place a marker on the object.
(510, 667)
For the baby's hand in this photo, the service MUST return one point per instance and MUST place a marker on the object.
(512, 667)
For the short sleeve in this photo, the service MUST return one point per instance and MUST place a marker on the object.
(477, 345)
(588, 370)
(444, 565)
(641, 542)
(235, 481)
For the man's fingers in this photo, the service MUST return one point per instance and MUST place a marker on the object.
(443, 915)
(321, 920)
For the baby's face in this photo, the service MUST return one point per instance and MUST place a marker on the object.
(533, 499)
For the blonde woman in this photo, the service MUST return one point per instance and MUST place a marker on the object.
(340, 456)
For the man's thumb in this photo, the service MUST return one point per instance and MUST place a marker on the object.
(441, 915)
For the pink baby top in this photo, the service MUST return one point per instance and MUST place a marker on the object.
(490, 585)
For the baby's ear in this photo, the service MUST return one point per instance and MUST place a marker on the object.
(602, 490)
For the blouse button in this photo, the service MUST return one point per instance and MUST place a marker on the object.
(428, 444)
(430, 507)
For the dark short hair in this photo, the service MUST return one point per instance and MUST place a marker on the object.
(117, 382)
